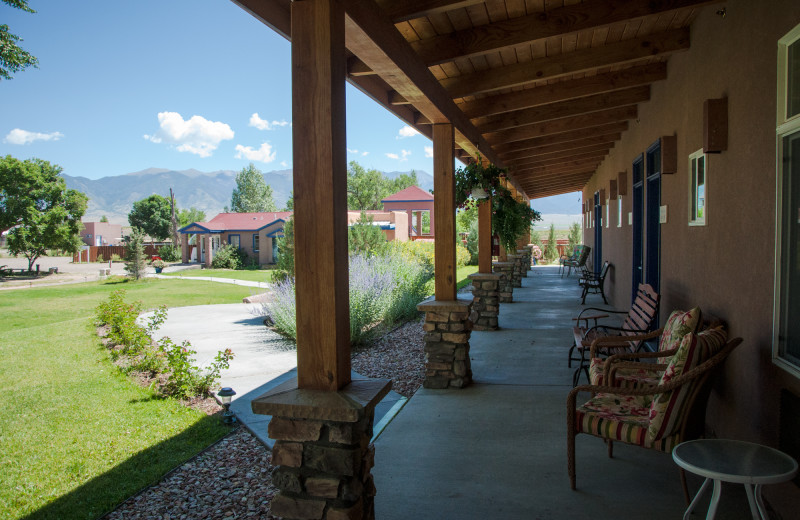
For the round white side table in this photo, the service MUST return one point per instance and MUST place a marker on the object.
(723, 460)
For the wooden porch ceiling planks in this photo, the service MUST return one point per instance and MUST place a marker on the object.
(562, 109)
(559, 22)
(555, 150)
(565, 124)
(564, 90)
(555, 161)
(371, 36)
(583, 60)
(400, 11)
(564, 137)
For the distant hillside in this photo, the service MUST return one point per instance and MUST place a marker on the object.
(208, 191)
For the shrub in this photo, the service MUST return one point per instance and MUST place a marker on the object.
(371, 289)
(366, 238)
(281, 311)
(170, 253)
(462, 255)
(284, 267)
(100, 258)
(472, 243)
(120, 317)
(228, 257)
(185, 379)
(115, 257)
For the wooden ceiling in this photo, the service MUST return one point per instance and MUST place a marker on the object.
(543, 87)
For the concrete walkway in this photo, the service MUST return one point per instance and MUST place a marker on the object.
(262, 358)
(497, 449)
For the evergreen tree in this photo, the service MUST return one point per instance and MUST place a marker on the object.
(364, 237)
(135, 261)
(551, 250)
(285, 262)
(251, 194)
(575, 237)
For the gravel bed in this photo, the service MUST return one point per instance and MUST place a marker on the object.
(232, 479)
(398, 356)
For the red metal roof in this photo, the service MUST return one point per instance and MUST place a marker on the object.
(244, 221)
(410, 193)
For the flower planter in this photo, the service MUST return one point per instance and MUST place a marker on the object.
(159, 269)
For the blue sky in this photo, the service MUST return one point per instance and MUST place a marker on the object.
(178, 84)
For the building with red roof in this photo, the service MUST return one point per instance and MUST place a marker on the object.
(418, 205)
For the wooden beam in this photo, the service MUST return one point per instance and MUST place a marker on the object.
(592, 58)
(555, 150)
(485, 236)
(555, 161)
(568, 188)
(320, 195)
(565, 90)
(564, 137)
(563, 179)
(573, 167)
(561, 109)
(536, 27)
(275, 14)
(356, 67)
(410, 9)
(444, 212)
(396, 99)
(565, 124)
(371, 36)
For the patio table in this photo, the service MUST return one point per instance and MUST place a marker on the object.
(725, 460)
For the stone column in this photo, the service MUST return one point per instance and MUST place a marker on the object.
(447, 328)
(505, 290)
(485, 300)
(323, 455)
(516, 276)
(525, 255)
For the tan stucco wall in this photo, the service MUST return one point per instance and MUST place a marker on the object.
(726, 267)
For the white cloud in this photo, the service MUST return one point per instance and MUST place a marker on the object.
(198, 135)
(402, 156)
(349, 150)
(406, 131)
(263, 124)
(284, 164)
(428, 151)
(263, 154)
(364, 154)
(19, 136)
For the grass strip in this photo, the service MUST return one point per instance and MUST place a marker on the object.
(77, 437)
(259, 275)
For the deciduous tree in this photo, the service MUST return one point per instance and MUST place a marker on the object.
(12, 57)
(38, 208)
(151, 215)
(187, 216)
(251, 193)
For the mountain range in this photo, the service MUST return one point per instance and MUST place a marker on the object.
(210, 192)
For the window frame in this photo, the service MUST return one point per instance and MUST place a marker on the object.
(694, 220)
(238, 239)
(619, 211)
(785, 127)
(256, 242)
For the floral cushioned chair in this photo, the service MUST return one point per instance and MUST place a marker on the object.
(653, 417)
(622, 371)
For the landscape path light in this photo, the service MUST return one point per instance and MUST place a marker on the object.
(225, 394)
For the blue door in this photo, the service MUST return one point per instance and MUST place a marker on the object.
(638, 228)
(597, 258)
(652, 270)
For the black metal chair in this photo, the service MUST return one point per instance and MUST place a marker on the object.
(594, 282)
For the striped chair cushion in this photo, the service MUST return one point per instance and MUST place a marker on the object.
(678, 325)
(624, 377)
(669, 408)
(620, 418)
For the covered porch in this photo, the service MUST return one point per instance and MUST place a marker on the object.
(497, 449)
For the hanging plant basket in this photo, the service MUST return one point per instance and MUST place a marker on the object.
(479, 193)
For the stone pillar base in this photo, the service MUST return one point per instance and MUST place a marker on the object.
(447, 328)
(322, 449)
(485, 300)
(516, 276)
(505, 290)
(525, 253)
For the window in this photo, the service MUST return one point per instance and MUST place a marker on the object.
(786, 327)
(256, 241)
(234, 241)
(698, 174)
(608, 213)
(619, 210)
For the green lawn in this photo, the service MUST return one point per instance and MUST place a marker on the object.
(76, 436)
(261, 275)
(461, 276)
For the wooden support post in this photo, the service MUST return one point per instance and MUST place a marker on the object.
(485, 236)
(320, 197)
(444, 211)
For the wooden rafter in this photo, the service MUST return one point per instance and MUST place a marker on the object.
(571, 135)
(625, 51)
(561, 109)
(409, 9)
(563, 21)
(556, 161)
(565, 124)
(555, 150)
(564, 90)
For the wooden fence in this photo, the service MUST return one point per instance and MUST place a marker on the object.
(91, 253)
